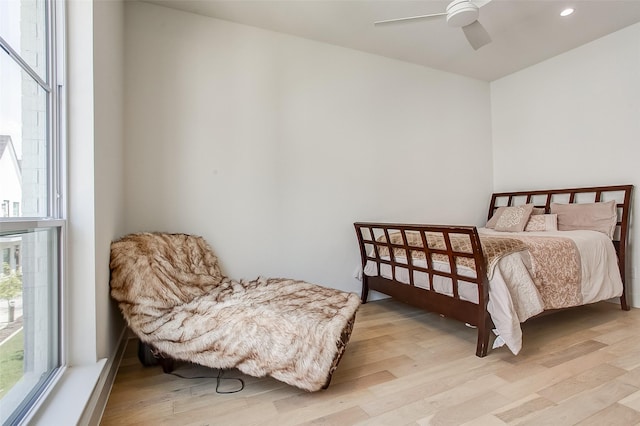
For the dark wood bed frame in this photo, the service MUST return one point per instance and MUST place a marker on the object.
(453, 306)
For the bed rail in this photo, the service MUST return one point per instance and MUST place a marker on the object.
(393, 248)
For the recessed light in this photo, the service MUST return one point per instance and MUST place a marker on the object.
(568, 11)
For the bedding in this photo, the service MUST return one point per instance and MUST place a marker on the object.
(494, 248)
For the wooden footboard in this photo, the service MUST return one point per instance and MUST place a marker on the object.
(391, 250)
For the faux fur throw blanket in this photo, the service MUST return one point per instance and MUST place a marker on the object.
(174, 297)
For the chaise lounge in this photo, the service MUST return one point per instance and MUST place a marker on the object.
(175, 298)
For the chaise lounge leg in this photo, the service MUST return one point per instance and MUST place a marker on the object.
(150, 357)
(167, 364)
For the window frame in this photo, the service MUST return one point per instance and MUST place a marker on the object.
(56, 188)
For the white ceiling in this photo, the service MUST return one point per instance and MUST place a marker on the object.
(524, 32)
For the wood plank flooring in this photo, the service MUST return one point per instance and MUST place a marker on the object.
(404, 366)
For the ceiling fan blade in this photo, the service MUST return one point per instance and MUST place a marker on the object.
(476, 34)
(408, 18)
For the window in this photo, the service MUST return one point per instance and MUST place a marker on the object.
(6, 257)
(32, 225)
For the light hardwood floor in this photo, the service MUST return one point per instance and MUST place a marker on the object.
(404, 366)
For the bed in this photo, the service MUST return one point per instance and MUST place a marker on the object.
(539, 252)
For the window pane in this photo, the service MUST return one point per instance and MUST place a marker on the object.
(23, 26)
(24, 161)
(29, 352)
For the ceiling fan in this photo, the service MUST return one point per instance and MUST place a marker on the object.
(460, 14)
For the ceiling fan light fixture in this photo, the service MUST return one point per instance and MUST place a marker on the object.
(461, 13)
(568, 11)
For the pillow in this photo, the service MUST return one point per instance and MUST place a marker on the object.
(600, 217)
(514, 219)
(542, 222)
(538, 210)
(491, 223)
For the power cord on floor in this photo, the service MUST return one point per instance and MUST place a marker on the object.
(218, 378)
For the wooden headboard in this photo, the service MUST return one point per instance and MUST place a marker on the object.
(544, 198)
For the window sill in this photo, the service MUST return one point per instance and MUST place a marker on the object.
(68, 398)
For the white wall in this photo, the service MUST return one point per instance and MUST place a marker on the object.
(108, 62)
(269, 145)
(573, 120)
(80, 286)
(96, 189)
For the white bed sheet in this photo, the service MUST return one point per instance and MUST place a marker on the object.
(513, 296)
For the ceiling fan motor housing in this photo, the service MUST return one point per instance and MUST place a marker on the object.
(461, 13)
